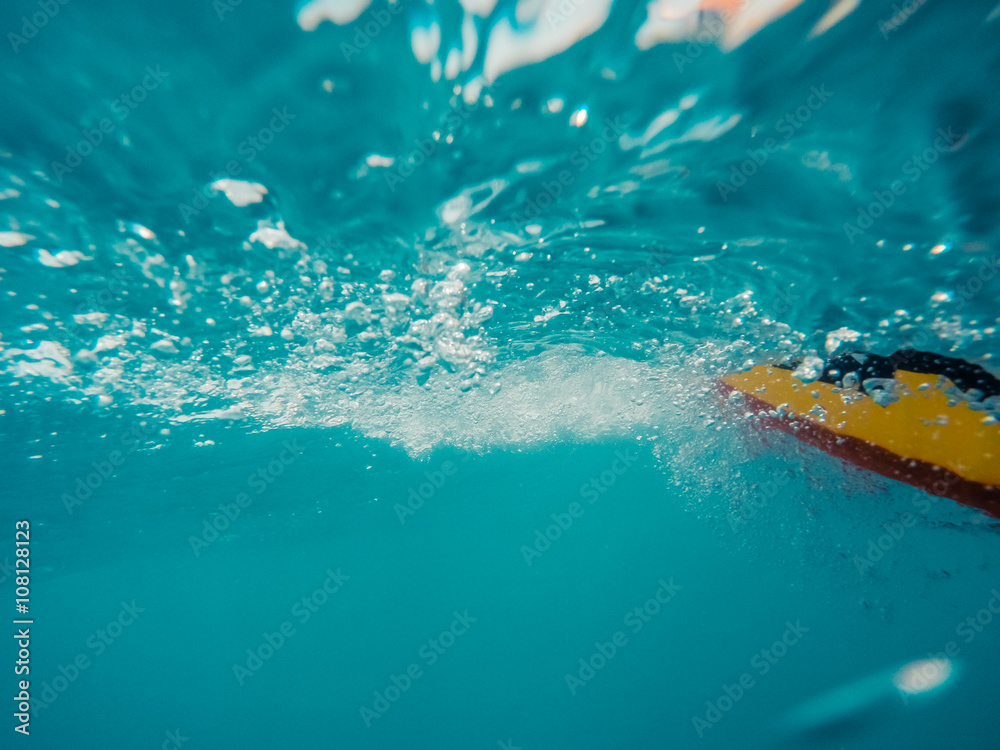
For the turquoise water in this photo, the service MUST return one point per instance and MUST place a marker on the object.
(357, 376)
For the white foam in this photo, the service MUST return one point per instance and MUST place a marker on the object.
(560, 394)
(837, 13)
(61, 259)
(707, 130)
(460, 207)
(479, 7)
(548, 28)
(425, 42)
(672, 21)
(49, 359)
(668, 21)
(14, 239)
(275, 235)
(240, 192)
(661, 121)
(470, 41)
(340, 12)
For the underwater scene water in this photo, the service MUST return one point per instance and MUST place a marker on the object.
(380, 375)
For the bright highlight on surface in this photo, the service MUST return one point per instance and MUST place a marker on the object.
(922, 676)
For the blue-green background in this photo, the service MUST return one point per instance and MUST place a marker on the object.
(652, 351)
